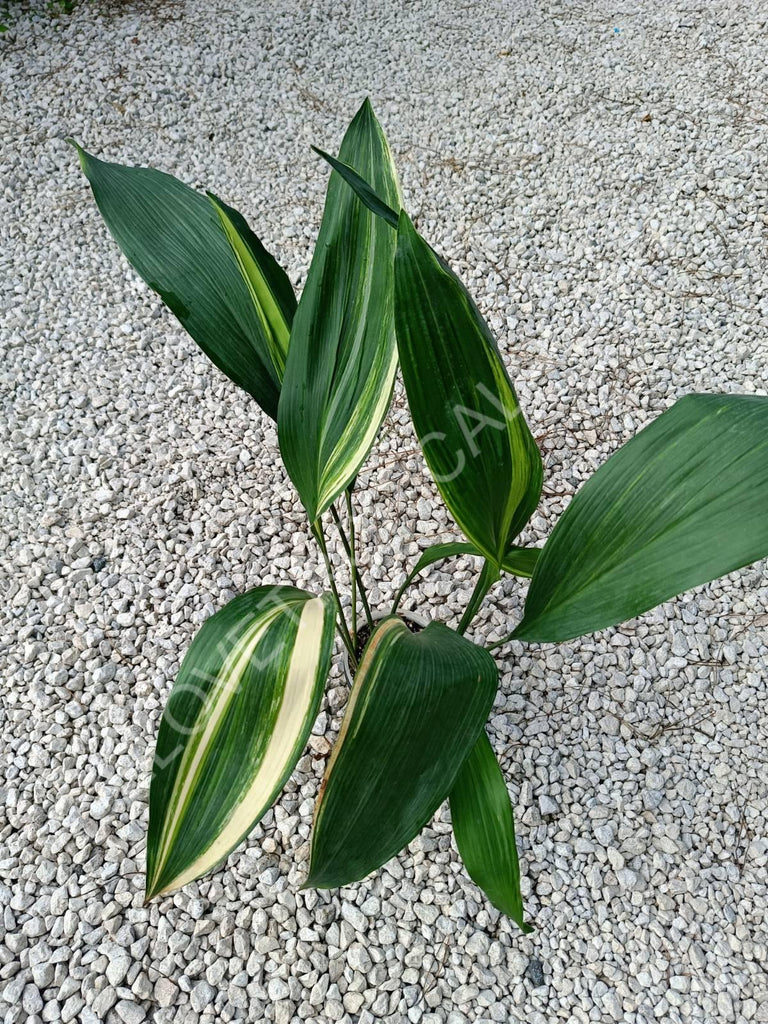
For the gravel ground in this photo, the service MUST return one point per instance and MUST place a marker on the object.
(598, 178)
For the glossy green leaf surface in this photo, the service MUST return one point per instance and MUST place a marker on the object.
(521, 561)
(467, 417)
(236, 722)
(683, 502)
(418, 703)
(343, 358)
(361, 188)
(271, 290)
(484, 827)
(174, 239)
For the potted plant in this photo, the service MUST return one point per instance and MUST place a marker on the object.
(682, 503)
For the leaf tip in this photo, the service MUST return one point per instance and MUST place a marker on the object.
(310, 882)
(150, 892)
(81, 154)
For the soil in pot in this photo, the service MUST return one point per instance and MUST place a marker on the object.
(364, 632)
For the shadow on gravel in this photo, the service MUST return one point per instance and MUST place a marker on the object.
(56, 10)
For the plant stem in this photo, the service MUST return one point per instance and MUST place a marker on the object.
(352, 562)
(317, 530)
(351, 554)
(399, 595)
(488, 576)
(499, 643)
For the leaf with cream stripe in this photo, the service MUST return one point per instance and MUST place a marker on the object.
(236, 723)
(271, 290)
(178, 241)
(418, 704)
(467, 417)
(465, 410)
(342, 359)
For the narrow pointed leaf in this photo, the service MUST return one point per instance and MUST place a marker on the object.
(476, 415)
(236, 722)
(361, 188)
(467, 417)
(484, 827)
(342, 359)
(174, 239)
(271, 290)
(418, 704)
(683, 502)
(436, 553)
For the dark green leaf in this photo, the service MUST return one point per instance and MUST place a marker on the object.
(685, 501)
(361, 188)
(271, 290)
(173, 237)
(484, 826)
(521, 561)
(343, 358)
(237, 720)
(418, 704)
(467, 417)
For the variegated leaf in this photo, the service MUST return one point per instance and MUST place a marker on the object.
(418, 704)
(174, 239)
(475, 439)
(271, 290)
(236, 722)
(342, 359)
(465, 410)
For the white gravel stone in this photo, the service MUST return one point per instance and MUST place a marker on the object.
(354, 916)
(118, 966)
(596, 174)
(547, 805)
(130, 1012)
(31, 1000)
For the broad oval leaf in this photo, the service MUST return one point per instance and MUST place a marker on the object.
(465, 411)
(174, 239)
(484, 827)
(236, 722)
(418, 704)
(343, 358)
(683, 502)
